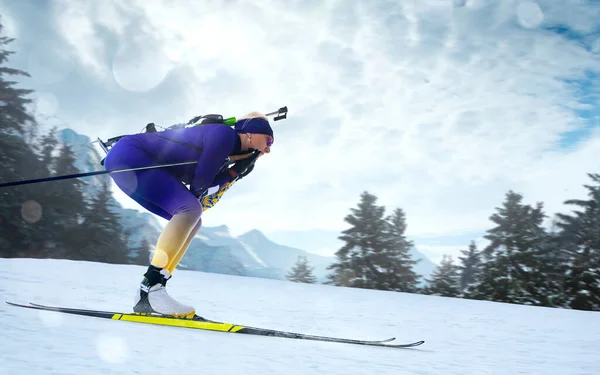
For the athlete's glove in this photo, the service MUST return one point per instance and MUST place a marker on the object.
(240, 169)
(209, 200)
(243, 167)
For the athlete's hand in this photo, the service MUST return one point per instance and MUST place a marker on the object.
(245, 166)
(209, 200)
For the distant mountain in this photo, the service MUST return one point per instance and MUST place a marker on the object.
(254, 265)
(425, 267)
(282, 257)
(213, 259)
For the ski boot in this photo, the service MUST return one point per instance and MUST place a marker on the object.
(152, 297)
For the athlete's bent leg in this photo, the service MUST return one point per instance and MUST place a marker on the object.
(160, 193)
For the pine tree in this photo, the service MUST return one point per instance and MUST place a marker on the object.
(47, 194)
(469, 269)
(101, 238)
(512, 271)
(365, 236)
(142, 253)
(41, 220)
(375, 254)
(19, 213)
(554, 261)
(14, 115)
(69, 204)
(365, 239)
(399, 266)
(580, 236)
(445, 280)
(302, 272)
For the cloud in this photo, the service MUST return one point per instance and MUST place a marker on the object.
(10, 28)
(83, 25)
(437, 107)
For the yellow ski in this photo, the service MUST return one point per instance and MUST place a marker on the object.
(198, 322)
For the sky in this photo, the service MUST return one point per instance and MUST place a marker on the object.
(438, 107)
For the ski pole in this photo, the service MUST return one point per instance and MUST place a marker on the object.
(281, 112)
(87, 174)
(232, 158)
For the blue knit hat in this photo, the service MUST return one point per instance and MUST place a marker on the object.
(254, 125)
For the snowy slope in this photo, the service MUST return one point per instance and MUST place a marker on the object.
(462, 337)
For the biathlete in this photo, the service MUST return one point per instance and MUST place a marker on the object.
(163, 191)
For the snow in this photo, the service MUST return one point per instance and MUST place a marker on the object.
(222, 234)
(461, 336)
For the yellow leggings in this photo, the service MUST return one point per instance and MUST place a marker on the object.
(175, 239)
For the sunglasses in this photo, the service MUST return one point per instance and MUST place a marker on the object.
(269, 140)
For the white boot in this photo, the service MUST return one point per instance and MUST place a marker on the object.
(154, 299)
